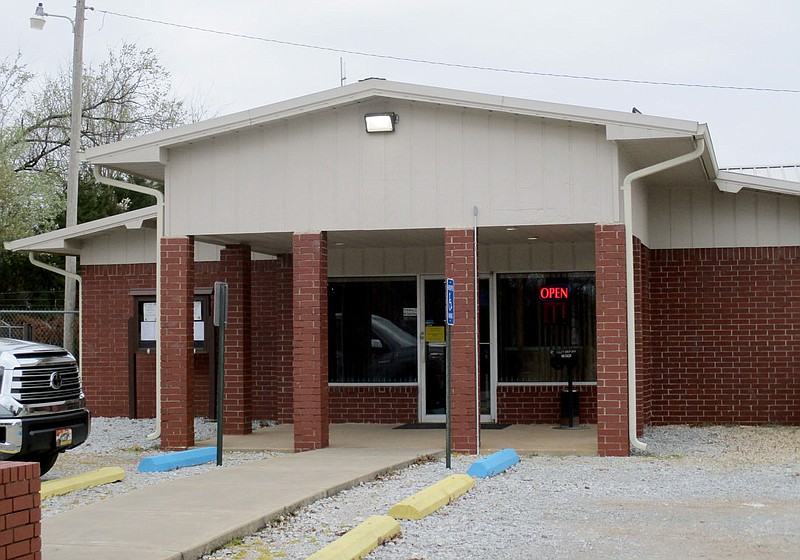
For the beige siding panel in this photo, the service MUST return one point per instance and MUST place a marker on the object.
(249, 172)
(724, 222)
(271, 193)
(659, 218)
(450, 168)
(502, 169)
(767, 222)
(681, 211)
(120, 247)
(745, 211)
(299, 192)
(347, 174)
(702, 215)
(476, 161)
(558, 162)
(321, 171)
(529, 158)
(585, 171)
(324, 175)
(789, 221)
(684, 218)
(422, 134)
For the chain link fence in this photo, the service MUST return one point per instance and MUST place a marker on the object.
(46, 326)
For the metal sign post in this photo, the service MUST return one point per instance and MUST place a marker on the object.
(451, 316)
(220, 320)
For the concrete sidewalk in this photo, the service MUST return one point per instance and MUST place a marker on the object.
(186, 518)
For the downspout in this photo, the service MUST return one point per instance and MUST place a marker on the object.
(627, 188)
(77, 278)
(159, 196)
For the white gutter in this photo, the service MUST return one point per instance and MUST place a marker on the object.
(627, 188)
(159, 196)
(77, 278)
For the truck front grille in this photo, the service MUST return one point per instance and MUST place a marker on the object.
(46, 383)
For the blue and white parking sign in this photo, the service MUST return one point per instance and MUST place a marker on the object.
(451, 301)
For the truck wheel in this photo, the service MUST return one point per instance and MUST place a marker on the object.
(46, 462)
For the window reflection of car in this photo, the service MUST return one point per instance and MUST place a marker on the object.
(393, 354)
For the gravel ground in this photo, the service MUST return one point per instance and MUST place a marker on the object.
(122, 442)
(717, 492)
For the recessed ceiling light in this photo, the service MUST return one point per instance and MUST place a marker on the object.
(512, 228)
(532, 238)
(339, 243)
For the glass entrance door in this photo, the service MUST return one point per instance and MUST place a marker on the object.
(434, 350)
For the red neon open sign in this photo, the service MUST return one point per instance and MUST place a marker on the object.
(558, 292)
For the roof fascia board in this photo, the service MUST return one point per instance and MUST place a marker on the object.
(730, 182)
(377, 88)
(63, 240)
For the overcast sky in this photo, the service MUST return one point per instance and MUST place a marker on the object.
(747, 43)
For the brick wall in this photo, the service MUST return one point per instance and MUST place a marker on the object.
(612, 376)
(310, 340)
(643, 315)
(725, 335)
(539, 404)
(107, 306)
(235, 268)
(374, 405)
(272, 339)
(459, 259)
(20, 516)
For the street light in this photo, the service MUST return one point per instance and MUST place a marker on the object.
(70, 286)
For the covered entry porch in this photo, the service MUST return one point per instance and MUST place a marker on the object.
(530, 439)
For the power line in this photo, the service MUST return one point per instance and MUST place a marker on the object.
(451, 64)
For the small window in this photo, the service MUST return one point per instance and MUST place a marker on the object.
(540, 312)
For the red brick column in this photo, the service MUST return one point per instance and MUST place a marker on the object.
(644, 390)
(238, 405)
(177, 343)
(612, 375)
(459, 264)
(310, 364)
(20, 516)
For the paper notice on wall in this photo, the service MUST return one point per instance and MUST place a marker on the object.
(199, 331)
(147, 330)
(149, 311)
(198, 311)
(434, 334)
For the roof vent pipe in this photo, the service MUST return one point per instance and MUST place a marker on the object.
(159, 196)
(627, 187)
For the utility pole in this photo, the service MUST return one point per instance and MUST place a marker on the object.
(70, 285)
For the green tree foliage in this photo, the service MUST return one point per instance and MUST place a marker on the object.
(127, 95)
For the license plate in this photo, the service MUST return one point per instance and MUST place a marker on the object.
(63, 437)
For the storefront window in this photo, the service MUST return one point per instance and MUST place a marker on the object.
(540, 312)
(372, 326)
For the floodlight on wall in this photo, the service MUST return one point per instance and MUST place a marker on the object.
(380, 122)
(37, 19)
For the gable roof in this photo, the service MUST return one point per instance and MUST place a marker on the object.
(67, 241)
(145, 155)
